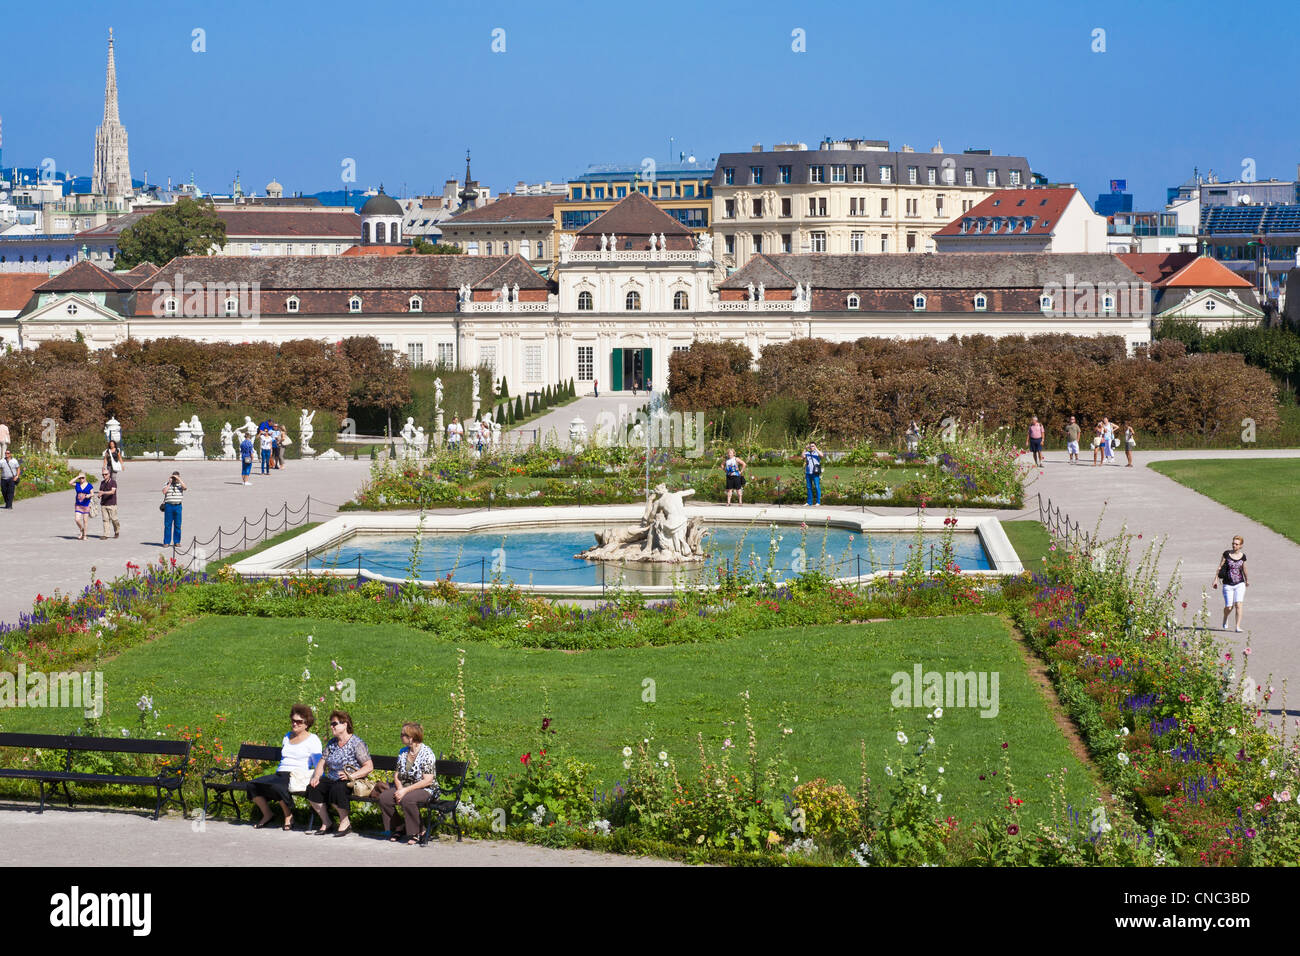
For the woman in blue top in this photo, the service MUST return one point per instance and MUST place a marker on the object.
(81, 510)
(812, 472)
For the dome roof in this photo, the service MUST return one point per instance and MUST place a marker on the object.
(381, 205)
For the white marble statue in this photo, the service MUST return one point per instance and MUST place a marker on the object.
(762, 292)
(421, 441)
(437, 395)
(249, 428)
(227, 442)
(666, 534)
(663, 243)
(566, 245)
(750, 289)
(196, 429)
(113, 431)
(652, 242)
(306, 431)
(191, 445)
(603, 243)
(473, 392)
(704, 244)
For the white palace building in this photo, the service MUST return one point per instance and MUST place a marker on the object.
(629, 289)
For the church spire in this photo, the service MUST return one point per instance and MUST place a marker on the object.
(469, 194)
(110, 86)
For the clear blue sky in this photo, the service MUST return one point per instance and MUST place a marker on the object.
(290, 89)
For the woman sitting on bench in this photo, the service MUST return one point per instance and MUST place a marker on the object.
(297, 751)
(416, 783)
(346, 759)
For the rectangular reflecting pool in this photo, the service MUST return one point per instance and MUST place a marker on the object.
(545, 557)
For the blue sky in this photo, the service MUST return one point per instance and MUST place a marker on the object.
(291, 89)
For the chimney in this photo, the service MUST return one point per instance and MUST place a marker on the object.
(756, 148)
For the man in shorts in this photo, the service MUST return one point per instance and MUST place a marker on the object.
(1072, 440)
(1036, 439)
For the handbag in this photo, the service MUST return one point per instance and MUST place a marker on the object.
(298, 780)
(361, 789)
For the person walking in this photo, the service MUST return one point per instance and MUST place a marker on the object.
(1097, 439)
(84, 491)
(595, 388)
(1108, 440)
(812, 472)
(107, 495)
(113, 457)
(283, 436)
(173, 496)
(913, 438)
(1130, 442)
(4, 438)
(1036, 440)
(276, 452)
(10, 472)
(1232, 572)
(734, 468)
(246, 458)
(1072, 441)
(264, 443)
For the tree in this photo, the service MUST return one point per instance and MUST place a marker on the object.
(510, 414)
(519, 407)
(377, 381)
(505, 389)
(189, 228)
(423, 247)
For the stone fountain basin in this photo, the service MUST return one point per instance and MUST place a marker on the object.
(286, 559)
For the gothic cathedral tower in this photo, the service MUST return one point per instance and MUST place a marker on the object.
(112, 167)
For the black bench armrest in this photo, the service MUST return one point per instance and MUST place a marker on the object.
(212, 773)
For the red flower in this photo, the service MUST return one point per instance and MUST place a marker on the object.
(546, 722)
(1013, 829)
(525, 758)
(1005, 746)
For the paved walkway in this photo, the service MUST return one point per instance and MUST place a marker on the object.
(1197, 530)
(87, 838)
(620, 405)
(38, 538)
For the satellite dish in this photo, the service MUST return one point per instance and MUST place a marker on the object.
(1244, 199)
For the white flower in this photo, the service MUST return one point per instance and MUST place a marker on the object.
(796, 778)
(938, 798)
(144, 704)
(627, 751)
(1263, 761)
(889, 770)
(902, 737)
(1232, 731)
(1123, 732)
(627, 765)
(663, 755)
(726, 744)
(924, 789)
(665, 763)
(941, 770)
(125, 732)
(938, 712)
(930, 740)
(1123, 758)
(306, 674)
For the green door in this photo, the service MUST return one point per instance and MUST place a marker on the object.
(616, 370)
(649, 370)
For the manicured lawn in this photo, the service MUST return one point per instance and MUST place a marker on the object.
(1030, 539)
(1264, 490)
(833, 683)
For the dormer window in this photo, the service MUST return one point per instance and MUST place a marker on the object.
(918, 302)
(853, 302)
(291, 306)
(1045, 303)
(232, 307)
(169, 306)
(354, 304)
(981, 302)
(1108, 305)
(416, 304)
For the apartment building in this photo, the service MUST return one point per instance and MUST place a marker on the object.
(848, 196)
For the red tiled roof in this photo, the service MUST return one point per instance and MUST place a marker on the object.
(377, 250)
(85, 276)
(509, 209)
(1156, 267)
(256, 222)
(143, 270)
(1045, 205)
(1207, 273)
(16, 288)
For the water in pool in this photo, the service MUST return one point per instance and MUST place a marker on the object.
(546, 557)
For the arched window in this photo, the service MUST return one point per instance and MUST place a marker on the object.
(918, 302)
(585, 302)
(681, 301)
(487, 248)
(416, 304)
(853, 302)
(1108, 305)
(232, 307)
(1045, 303)
(169, 306)
(540, 249)
(365, 232)
(981, 302)
(633, 303)
(292, 304)
(392, 232)
(505, 247)
(354, 304)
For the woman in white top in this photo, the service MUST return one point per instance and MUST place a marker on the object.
(299, 751)
(455, 432)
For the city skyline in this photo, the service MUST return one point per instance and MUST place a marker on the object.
(527, 118)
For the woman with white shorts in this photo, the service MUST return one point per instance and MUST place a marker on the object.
(1232, 572)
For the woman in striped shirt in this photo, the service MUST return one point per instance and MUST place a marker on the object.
(173, 495)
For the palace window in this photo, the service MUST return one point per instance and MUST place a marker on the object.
(756, 175)
(930, 174)
(354, 304)
(415, 352)
(816, 205)
(838, 173)
(938, 205)
(633, 302)
(533, 363)
(585, 302)
(1108, 305)
(856, 240)
(416, 304)
(911, 174)
(169, 306)
(232, 307)
(447, 354)
(816, 174)
(758, 242)
(884, 242)
(859, 174)
(783, 174)
(729, 209)
(852, 302)
(886, 174)
(786, 241)
(586, 362)
(292, 304)
(72, 308)
(487, 248)
(1045, 303)
(911, 242)
(487, 355)
(981, 302)
(730, 245)
(785, 207)
(728, 176)
(969, 177)
(912, 205)
(681, 301)
(918, 302)
(818, 241)
(884, 205)
(1015, 177)
(992, 177)
(757, 207)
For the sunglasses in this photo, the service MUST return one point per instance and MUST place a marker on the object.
(297, 720)
(338, 723)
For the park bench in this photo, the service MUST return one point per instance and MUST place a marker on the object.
(168, 777)
(225, 783)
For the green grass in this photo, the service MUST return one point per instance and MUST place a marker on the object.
(833, 684)
(270, 542)
(1264, 490)
(1030, 539)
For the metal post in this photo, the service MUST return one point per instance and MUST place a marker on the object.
(308, 520)
(358, 569)
(602, 579)
(482, 576)
(245, 548)
(859, 570)
(931, 557)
